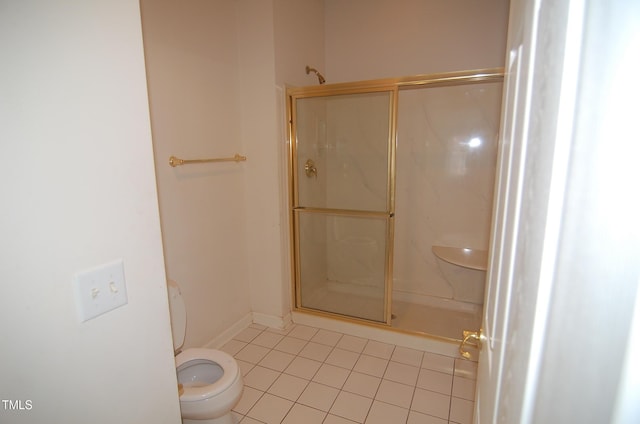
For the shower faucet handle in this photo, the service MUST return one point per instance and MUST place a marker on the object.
(310, 169)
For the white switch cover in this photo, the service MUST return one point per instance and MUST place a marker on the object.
(100, 290)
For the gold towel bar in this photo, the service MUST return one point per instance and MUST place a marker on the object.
(174, 161)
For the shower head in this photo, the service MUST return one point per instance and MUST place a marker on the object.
(321, 79)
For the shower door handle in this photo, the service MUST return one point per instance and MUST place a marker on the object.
(310, 169)
(467, 336)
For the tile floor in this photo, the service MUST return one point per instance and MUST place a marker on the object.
(306, 375)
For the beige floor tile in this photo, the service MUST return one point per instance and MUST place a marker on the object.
(270, 409)
(342, 358)
(351, 406)
(362, 384)
(233, 346)
(267, 339)
(435, 381)
(248, 334)
(301, 414)
(245, 367)
(303, 332)
(334, 419)
(260, 378)
(252, 353)
(378, 349)
(431, 403)
(435, 362)
(384, 413)
(331, 375)
(461, 411)
(326, 337)
(419, 418)
(407, 356)
(290, 345)
(288, 387)
(352, 343)
(402, 373)
(371, 365)
(249, 420)
(395, 393)
(249, 398)
(276, 360)
(316, 351)
(318, 396)
(303, 368)
(464, 388)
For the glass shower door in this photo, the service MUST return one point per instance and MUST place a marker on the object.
(342, 208)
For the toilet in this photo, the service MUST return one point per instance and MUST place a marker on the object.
(210, 379)
(465, 270)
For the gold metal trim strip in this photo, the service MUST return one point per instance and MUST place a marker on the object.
(391, 196)
(389, 84)
(453, 78)
(292, 186)
(174, 161)
(344, 212)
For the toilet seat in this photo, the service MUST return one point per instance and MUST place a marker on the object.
(223, 359)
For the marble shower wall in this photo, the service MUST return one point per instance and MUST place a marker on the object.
(445, 166)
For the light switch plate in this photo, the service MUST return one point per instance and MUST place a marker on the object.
(100, 290)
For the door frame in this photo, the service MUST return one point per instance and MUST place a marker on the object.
(572, 315)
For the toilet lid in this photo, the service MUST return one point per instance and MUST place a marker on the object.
(223, 359)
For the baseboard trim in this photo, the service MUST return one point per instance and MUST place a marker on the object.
(272, 321)
(230, 332)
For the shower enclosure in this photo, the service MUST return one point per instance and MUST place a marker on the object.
(380, 172)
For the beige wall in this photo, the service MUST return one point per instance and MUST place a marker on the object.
(299, 40)
(216, 72)
(368, 39)
(265, 252)
(79, 191)
(192, 69)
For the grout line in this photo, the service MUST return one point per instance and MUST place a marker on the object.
(451, 391)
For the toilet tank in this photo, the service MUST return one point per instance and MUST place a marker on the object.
(178, 314)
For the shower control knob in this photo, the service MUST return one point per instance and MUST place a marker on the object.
(310, 169)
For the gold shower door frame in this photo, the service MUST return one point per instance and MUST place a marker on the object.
(392, 86)
(297, 210)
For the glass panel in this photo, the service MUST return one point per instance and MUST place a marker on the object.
(445, 167)
(342, 148)
(342, 263)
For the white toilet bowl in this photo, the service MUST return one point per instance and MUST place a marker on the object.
(212, 384)
(211, 379)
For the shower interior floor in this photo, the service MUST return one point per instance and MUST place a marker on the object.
(444, 322)
(428, 319)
